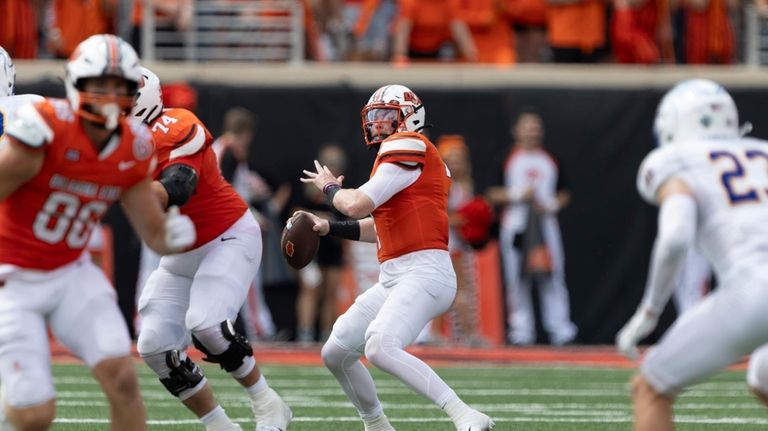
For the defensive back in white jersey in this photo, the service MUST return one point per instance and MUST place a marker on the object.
(11, 104)
(729, 181)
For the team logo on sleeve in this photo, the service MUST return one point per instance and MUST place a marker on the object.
(142, 141)
(648, 178)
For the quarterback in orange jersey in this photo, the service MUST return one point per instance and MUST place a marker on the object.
(407, 194)
(200, 292)
(62, 164)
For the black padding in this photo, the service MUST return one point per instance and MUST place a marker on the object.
(180, 181)
(185, 374)
(232, 358)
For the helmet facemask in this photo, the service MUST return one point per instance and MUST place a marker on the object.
(380, 121)
(105, 108)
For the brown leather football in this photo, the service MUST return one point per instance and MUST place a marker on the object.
(299, 242)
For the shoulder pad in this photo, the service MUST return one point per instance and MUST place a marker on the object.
(658, 166)
(28, 126)
(403, 145)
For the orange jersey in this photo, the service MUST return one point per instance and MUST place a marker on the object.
(46, 223)
(416, 218)
(180, 137)
(431, 21)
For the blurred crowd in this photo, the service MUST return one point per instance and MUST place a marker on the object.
(402, 31)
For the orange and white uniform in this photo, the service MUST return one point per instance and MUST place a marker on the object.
(202, 287)
(409, 186)
(180, 137)
(416, 218)
(45, 225)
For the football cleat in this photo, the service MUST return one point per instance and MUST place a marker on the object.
(474, 420)
(381, 423)
(272, 414)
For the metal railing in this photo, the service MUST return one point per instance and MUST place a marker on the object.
(755, 38)
(254, 31)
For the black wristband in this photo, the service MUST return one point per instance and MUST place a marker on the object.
(347, 229)
(330, 190)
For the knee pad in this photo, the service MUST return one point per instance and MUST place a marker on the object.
(233, 347)
(182, 377)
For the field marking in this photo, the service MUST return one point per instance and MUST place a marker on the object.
(604, 419)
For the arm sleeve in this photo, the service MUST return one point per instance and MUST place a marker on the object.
(676, 233)
(387, 181)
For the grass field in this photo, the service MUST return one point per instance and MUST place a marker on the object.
(517, 397)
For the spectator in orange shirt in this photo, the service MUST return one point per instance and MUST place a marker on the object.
(641, 32)
(69, 22)
(490, 29)
(530, 23)
(576, 30)
(425, 26)
(709, 37)
(18, 31)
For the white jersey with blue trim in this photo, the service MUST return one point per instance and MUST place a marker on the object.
(729, 181)
(10, 104)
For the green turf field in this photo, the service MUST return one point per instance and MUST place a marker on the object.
(518, 398)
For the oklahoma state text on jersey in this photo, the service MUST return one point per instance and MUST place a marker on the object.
(415, 218)
(47, 222)
(180, 137)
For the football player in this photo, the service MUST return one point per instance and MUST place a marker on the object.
(200, 292)
(62, 164)
(407, 195)
(9, 100)
(711, 188)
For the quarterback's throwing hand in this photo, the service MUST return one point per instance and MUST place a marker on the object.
(179, 230)
(642, 323)
(322, 177)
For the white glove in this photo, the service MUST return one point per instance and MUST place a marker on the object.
(639, 326)
(179, 230)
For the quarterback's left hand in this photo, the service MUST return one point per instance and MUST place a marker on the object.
(322, 177)
(180, 232)
(642, 323)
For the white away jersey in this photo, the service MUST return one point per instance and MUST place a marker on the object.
(729, 180)
(10, 104)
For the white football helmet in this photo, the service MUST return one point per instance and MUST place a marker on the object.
(7, 74)
(102, 55)
(391, 109)
(696, 109)
(149, 98)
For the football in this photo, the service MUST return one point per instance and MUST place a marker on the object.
(299, 242)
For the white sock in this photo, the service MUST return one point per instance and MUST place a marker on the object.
(216, 419)
(256, 389)
(455, 407)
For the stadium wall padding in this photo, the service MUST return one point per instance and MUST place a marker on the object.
(600, 137)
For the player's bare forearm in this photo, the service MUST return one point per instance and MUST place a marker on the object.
(367, 230)
(162, 195)
(353, 203)
(17, 166)
(142, 207)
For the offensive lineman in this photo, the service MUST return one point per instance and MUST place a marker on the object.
(712, 189)
(62, 163)
(199, 292)
(407, 195)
